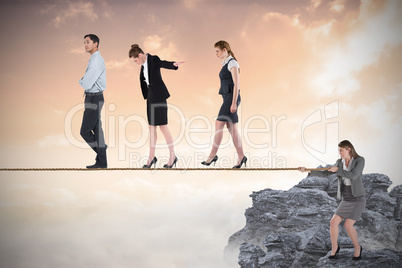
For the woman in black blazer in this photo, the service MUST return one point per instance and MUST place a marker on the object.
(350, 188)
(155, 92)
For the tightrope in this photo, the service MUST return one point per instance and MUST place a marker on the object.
(152, 169)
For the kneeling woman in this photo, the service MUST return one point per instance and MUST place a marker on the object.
(350, 187)
(155, 92)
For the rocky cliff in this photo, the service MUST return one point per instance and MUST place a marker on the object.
(291, 228)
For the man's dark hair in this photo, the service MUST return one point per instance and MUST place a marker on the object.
(93, 37)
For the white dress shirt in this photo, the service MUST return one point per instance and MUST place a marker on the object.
(145, 64)
(232, 63)
(346, 181)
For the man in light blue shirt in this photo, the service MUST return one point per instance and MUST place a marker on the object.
(94, 83)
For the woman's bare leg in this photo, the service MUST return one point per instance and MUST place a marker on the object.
(232, 127)
(334, 230)
(219, 125)
(169, 141)
(353, 235)
(152, 143)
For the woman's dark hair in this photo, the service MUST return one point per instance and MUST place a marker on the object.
(347, 144)
(93, 37)
(134, 51)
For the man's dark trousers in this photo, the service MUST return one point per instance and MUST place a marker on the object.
(91, 128)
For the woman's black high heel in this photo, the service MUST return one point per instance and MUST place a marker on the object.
(174, 163)
(360, 256)
(153, 162)
(209, 163)
(244, 160)
(334, 256)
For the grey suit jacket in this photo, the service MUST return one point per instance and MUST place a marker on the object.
(355, 175)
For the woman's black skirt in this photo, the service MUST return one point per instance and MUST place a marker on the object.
(224, 113)
(157, 112)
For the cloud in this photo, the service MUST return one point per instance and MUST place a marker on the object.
(53, 140)
(133, 183)
(337, 5)
(73, 10)
(313, 5)
(191, 4)
(117, 64)
(181, 221)
(379, 114)
(47, 9)
(152, 42)
(107, 11)
(151, 18)
(361, 44)
(59, 112)
(155, 45)
(322, 29)
(79, 50)
(28, 195)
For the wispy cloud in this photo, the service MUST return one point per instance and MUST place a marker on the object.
(337, 5)
(48, 9)
(117, 64)
(151, 18)
(155, 44)
(29, 195)
(79, 50)
(313, 5)
(145, 210)
(69, 12)
(53, 140)
(191, 3)
(59, 112)
(152, 42)
(360, 46)
(107, 11)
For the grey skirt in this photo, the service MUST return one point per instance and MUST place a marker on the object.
(350, 207)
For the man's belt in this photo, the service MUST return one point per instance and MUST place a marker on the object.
(94, 94)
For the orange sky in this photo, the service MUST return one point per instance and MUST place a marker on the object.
(313, 73)
(296, 58)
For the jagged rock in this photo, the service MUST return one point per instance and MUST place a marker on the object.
(250, 255)
(397, 194)
(374, 183)
(276, 211)
(378, 198)
(383, 203)
(287, 250)
(375, 231)
(315, 183)
(291, 228)
(375, 259)
(329, 184)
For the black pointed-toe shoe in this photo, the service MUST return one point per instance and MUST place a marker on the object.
(212, 161)
(360, 256)
(174, 163)
(334, 256)
(153, 162)
(244, 160)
